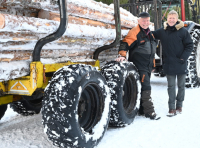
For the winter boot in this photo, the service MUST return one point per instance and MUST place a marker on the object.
(178, 110)
(147, 104)
(152, 116)
(171, 113)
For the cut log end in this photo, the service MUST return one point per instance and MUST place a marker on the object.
(2, 21)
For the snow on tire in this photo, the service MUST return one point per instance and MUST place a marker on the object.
(193, 76)
(27, 107)
(3, 109)
(76, 107)
(123, 81)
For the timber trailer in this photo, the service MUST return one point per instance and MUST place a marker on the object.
(77, 100)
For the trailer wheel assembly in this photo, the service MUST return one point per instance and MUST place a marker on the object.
(3, 109)
(193, 76)
(30, 105)
(76, 107)
(124, 84)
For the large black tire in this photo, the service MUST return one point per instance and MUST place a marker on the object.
(123, 81)
(193, 76)
(28, 107)
(76, 107)
(3, 109)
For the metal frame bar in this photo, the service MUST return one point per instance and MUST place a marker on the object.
(117, 28)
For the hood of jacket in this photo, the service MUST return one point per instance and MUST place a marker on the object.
(177, 26)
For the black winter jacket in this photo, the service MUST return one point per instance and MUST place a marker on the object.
(176, 44)
(141, 47)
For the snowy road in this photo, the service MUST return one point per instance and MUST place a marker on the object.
(181, 131)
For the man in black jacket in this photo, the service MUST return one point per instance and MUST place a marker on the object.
(177, 46)
(141, 45)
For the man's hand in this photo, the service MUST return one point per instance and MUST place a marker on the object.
(121, 59)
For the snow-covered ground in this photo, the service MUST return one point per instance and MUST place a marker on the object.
(181, 131)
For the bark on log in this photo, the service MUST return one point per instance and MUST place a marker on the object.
(49, 46)
(36, 25)
(63, 43)
(20, 23)
(20, 36)
(6, 37)
(43, 14)
(17, 55)
(33, 22)
(85, 12)
(26, 55)
(84, 21)
(52, 4)
(27, 41)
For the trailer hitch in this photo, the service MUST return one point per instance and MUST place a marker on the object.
(54, 36)
(118, 31)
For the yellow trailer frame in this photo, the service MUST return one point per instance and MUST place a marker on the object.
(12, 90)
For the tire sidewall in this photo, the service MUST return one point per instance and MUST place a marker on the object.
(116, 74)
(128, 118)
(192, 79)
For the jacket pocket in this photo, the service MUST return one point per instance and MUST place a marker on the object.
(180, 61)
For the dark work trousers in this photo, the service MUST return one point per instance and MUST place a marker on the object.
(146, 104)
(145, 80)
(171, 79)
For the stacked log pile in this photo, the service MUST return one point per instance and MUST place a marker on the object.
(23, 23)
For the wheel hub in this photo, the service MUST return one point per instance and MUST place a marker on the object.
(90, 107)
(81, 107)
(130, 94)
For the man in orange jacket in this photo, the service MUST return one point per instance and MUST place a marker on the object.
(141, 45)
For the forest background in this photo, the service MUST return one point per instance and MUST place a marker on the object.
(167, 5)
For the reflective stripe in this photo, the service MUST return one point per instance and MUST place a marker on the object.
(143, 78)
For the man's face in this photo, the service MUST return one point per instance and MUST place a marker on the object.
(172, 19)
(144, 22)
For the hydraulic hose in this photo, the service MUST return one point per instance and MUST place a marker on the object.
(54, 36)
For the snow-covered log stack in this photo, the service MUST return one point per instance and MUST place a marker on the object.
(22, 23)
